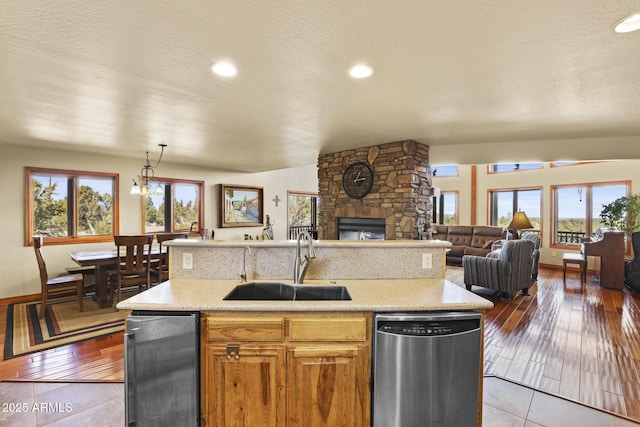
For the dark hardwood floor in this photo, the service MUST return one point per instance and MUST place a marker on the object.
(578, 342)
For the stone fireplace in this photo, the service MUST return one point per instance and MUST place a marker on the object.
(401, 193)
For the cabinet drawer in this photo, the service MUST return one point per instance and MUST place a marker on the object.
(328, 329)
(245, 329)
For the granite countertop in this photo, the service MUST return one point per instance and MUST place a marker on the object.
(353, 244)
(366, 294)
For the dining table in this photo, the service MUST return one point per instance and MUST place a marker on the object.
(104, 260)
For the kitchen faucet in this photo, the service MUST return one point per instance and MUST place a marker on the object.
(300, 266)
(243, 275)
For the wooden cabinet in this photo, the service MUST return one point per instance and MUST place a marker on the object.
(286, 369)
(247, 390)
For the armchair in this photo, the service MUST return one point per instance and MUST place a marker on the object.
(535, 238)
(507, 273)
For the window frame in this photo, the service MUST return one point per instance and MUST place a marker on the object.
(434, 169)
(516, 168)
(491, 211)
(588, 196)
(569, 164)
(436, 206)
(74, 175)
(172, 181)
(314, 210)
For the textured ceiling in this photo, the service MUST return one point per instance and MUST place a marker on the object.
(478, 76)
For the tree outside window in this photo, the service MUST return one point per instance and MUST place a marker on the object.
(303, 213)
(69, 206)
(179, 208)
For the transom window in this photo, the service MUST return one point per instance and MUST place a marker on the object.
(179, 208)
(65, 206)
(444, 170)
(511, 167)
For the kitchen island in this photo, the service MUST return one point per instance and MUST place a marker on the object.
(306, 363)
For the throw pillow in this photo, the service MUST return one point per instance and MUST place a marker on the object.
(487, 244)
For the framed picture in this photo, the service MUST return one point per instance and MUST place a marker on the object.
(241, 206)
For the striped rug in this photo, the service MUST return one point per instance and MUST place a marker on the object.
(62, 324)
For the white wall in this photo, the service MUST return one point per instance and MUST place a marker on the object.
(623, 170)
(18, 268)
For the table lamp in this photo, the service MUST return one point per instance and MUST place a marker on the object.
(520, 221)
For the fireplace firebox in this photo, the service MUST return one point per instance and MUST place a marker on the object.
(361, 228)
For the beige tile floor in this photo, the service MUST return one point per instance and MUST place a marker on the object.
(506, 404)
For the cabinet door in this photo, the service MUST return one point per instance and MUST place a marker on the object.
(247, 390)
(328, 385)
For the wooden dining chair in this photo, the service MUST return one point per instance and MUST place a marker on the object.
(56, 285)
(160, 270)
(134, 265)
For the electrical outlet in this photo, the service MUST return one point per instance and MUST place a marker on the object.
(553, 253)
(187, 261)
(427, 261)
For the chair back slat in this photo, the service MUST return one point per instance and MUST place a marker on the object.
(42, 266)
(137, 253)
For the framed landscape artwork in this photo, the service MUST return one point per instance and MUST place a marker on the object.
(241, 206)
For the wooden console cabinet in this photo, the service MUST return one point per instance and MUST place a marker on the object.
(294, 369)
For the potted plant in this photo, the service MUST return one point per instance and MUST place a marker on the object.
(622, 214)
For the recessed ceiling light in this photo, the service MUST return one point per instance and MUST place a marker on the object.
(360, 71)
(224, 69)
(628, 24)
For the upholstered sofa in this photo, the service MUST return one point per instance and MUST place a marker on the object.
(468, 239)
(508, 272)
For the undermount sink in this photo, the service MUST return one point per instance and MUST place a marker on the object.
(268, 291)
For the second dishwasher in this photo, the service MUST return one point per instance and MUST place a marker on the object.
(426, 369)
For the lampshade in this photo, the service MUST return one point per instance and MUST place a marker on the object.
(135, 188)
(520, 221)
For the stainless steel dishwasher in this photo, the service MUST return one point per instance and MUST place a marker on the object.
(426, 369)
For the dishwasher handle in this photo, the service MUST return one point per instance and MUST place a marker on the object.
(129, 381)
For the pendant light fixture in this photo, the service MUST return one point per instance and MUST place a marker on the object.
(142, 185)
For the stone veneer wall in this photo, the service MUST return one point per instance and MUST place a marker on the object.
(401, 192)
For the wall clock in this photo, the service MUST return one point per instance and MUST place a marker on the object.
(357, 180)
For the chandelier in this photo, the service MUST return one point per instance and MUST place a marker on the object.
(147, 174)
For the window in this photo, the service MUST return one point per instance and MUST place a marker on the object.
(303, 213)
(67, 206)
(179, 208)
(444, 170)
(576, 212)
(445, 208)
(503, 203)
(561, 164)
(511, 167)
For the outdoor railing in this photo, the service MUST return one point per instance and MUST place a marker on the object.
(570, 237)
(294, 230)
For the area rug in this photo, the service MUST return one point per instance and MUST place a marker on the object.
(62, 324)
(455, 275)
